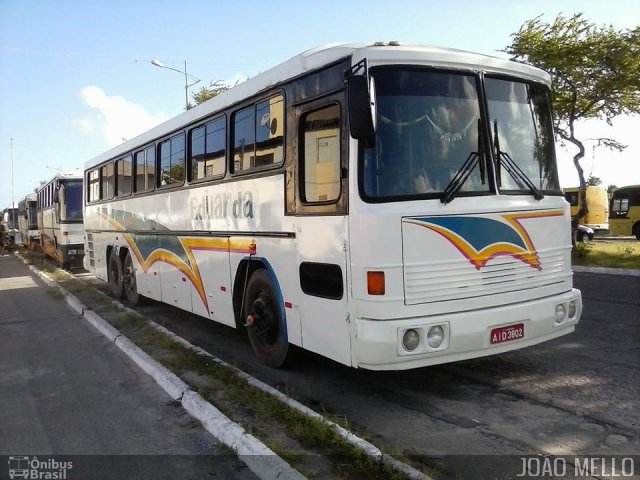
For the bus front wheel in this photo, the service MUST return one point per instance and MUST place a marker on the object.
(129, 282)
(115, 275)
(264, 321)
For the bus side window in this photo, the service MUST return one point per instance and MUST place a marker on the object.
(94, 186)
(243, 140)
(258, 135)
(123, 168)
(107, 181)
(208, 150)
(172, 161)
(320, 158)
(269, 132)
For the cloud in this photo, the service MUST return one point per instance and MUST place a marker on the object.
(613, 167)
(114, 117)
(236, 79)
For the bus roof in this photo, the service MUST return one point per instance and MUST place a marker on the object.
(62, 176)
(629, 187)
(376, 54)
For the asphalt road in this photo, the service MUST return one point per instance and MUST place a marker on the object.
(65, 390)
(576, 395)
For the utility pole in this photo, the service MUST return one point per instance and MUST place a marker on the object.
(12, 163)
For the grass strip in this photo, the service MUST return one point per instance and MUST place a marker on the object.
(607, 254)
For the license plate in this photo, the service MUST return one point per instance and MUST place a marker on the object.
(507, 334)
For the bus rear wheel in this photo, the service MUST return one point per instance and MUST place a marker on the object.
(264, 321)
(115, 275)
(129, 282)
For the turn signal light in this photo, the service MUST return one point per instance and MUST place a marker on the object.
(375, 283)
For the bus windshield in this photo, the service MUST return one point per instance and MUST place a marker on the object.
(427, 127)
(429, 136)
(33, 215)
(72, 208)
(522, 132)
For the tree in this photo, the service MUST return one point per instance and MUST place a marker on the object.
(213, 90)
(593, 181)
(595, 73)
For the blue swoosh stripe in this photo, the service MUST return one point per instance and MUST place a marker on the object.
(479, 232)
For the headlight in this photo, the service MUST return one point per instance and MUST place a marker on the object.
(435, 336)
(572, 309)
(560, 313)
(410, 340)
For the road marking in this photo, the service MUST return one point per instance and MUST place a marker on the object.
(15, 283)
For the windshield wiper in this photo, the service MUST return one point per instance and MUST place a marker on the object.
(512, 167)
(463, 173)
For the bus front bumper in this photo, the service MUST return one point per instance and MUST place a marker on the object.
(465, 335)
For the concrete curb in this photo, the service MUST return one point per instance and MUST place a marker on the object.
(607, 271)
(257, 456)
(262, 461)
(101, 325)
(168, 380)
(366, 447)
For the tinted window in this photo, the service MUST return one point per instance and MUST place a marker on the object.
(208, 150)
(172, 161)
(33, 215)
(572, 198)
(243, 140)
(123, 167)
(71, 194)
(145, 169)
(269, 132)
(258, 133)
(107, 181)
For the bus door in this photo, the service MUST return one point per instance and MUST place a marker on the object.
(321, 227)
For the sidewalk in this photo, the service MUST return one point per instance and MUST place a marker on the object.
(607, 271)
(67, 390)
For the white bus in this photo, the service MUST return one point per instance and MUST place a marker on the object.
(28, 221)
(60, 219)
(9, 220)
(386, 206)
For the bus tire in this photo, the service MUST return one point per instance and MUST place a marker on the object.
(115, 275)
(129, 285)
(263, 321)
(636, 231)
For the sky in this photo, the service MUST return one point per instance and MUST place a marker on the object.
(76, 77)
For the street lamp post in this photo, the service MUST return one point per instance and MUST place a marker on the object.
(13, 203)
(187, 76)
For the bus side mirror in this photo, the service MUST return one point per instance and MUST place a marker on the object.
(360, 111)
